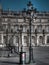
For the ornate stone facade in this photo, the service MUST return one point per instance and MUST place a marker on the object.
(11, 22)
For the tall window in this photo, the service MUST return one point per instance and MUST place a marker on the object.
(0, 38)
(24, 28)
(39, 28)
(4, 39)
(12, 28)
(25, 40)
(32, 28)
(17, 39)
(40, 40)
(15, 28)
(4, 27)
(48, 39)
(47, 28)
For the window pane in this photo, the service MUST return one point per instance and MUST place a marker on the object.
(32, 28)
(47, 39)
(25, 39)
(40, 39)
(17, 39)
(0, 38)
(47, 28)
(39, 28)
(24, 28)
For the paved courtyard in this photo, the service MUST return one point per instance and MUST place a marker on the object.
(40, 54)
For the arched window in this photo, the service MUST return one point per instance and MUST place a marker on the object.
(0, 39)
(24, 28)
(47, 39)
(25, 40)
(33, 41)
(16, 40)
(4, 37)
(40, 40)
(39, 28)
(47, 28)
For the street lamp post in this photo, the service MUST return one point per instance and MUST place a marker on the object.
(31, 12)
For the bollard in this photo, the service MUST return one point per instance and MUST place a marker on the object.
(22, 57)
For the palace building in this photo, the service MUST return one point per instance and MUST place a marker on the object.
(14, 28)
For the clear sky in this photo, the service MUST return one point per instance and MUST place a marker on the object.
(41, 5)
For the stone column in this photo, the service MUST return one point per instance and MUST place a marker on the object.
(37, 40)
(45, 40)
(2, 38)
